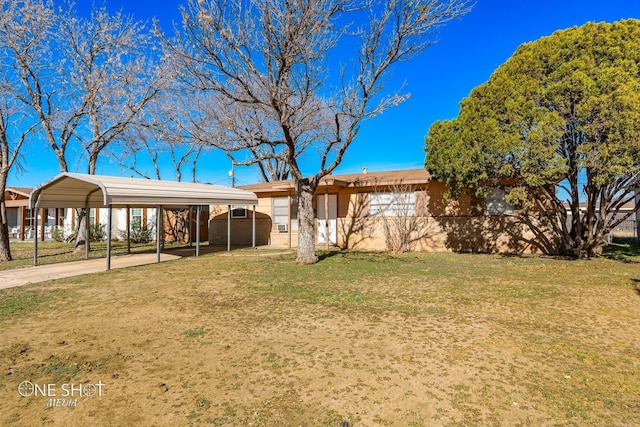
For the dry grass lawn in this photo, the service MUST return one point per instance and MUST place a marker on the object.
(367, 338)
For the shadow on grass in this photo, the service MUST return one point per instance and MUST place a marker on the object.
(329, 254)
(626, 250)
(636, 282)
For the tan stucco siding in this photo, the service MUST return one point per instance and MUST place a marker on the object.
(438, 234)
(441, 224)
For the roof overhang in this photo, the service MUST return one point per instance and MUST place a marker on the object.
(20, 191)
(82, 190)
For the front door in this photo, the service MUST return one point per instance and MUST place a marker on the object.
(327, 227)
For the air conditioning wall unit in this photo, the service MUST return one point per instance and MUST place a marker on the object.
(282, 228)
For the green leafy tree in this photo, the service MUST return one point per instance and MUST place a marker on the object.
(561, 121)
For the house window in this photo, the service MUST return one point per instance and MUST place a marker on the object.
(496, 203)
(238, 211)
(280, 213)
(92, 216)
(28, 218)
(392, 204)
(61, 213)
(136, 216)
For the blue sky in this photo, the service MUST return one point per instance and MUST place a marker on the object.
(467, 52)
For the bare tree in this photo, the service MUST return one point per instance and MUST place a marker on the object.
(163, 133)
(180, 154)
(271, 168)
(27, 29)
(111, 70)
(400, 210)
(280, 94)
(23, 28)
(15, 127)
(85, 79)
(111, 75)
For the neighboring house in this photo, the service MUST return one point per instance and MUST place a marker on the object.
(21, 219)
(142, 216)
(628, 228)
(18, 212)
(178, 224)
(392, 210)
(20, 216)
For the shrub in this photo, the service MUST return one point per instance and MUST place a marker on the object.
(58, 234)
(139, 233)
(97, 232)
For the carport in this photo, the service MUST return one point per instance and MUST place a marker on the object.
(74, 190)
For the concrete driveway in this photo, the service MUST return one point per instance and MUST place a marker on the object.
(41, 273)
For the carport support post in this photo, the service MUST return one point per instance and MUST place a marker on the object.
(88, 230)
(253, 228)
(228, 228)
(191, 226)
(197, 229)
(109, 212)
(35, 237)
(158, 231)
(128, 221)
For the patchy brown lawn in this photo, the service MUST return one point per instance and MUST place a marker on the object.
(367, 338)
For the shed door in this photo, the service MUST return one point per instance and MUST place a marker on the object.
(322, 222)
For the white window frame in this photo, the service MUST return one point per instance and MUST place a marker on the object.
(282, 217)
(392, 203)
(61, 213)
(238, 211)
(133, 215)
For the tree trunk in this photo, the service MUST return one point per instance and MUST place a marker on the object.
(5, 249)
(578, 244)
(306, 222)
(81, 238)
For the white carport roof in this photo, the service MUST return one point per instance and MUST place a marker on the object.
(75, 190)
(82, 190)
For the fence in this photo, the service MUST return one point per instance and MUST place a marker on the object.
(628, 229)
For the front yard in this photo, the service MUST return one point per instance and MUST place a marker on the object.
(368, 338)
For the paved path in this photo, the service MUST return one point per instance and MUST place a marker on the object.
(41, 273)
